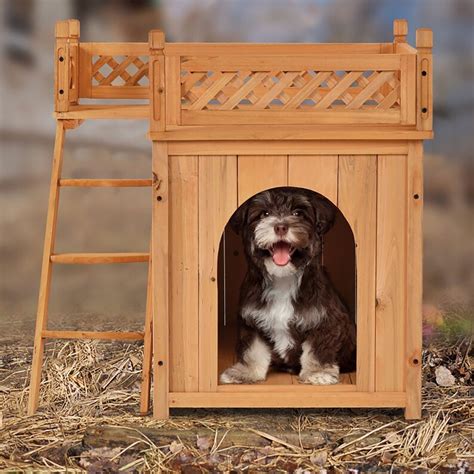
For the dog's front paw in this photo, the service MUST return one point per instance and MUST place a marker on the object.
(240, 373)
(320, 377)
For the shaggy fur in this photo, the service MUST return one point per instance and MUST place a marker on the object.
(290, 316)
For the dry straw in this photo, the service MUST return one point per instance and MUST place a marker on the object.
(89, 383)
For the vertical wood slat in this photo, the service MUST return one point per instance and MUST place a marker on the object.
(160, 268)
(183, 271)
(147, 344)
(357, 201)
(408, 89)
(85, 71)
(424, 89)
(259, 172)
(156, 73)
(414, 280)
(317, 172)
(61, 83)
(217, 202)
(173, 90)
(391, 273)
(46, 269)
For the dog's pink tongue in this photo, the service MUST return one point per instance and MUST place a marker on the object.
(281, 253)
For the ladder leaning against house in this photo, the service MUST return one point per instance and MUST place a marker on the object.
(79, 73)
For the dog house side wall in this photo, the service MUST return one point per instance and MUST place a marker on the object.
(372, 183)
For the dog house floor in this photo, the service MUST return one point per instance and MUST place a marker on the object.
(227, 357)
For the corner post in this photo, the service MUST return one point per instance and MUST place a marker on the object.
(156, 68)
(424, 89)
(66, 64)
(414, 280)
(400, 31)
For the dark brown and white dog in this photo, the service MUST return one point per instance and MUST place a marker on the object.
(290, 316)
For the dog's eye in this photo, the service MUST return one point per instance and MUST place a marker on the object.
(264, 214)
(296, 213)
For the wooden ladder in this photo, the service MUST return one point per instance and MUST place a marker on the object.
(49, 257)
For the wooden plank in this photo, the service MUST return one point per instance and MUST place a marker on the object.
(62, 75)
(105, 183)
(160, 279)
(260, 172)
(273, 49)
(408, 89)
(315, 172)
(46, 270)
(99, 258)
(94, 111)
(300, 116)
(414, 278)
(357, 201)
(120, 92)
(217, 202)
(285, 147)
(85, 71)
(145, 385)
(313, 62)
(156, 40)
(390, 337)
(288, 399)
(259, 132)
(173, 90)
(118, 49)
(105, 335)
(183, 271)
(424, 89)
(285, 382)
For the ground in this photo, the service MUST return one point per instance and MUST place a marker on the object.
(89, 421)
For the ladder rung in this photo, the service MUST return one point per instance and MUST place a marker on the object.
(105, 183)
(105, 335)
(94, 258)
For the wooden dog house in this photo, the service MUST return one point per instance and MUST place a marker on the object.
(230, 120)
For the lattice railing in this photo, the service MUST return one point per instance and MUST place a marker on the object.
(289, 90)
(113, 70)
(120, 71)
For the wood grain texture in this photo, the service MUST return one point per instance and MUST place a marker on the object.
(357, 201)
(217, 202)
(279, 144)
(183, 271)
(288, 399)
(414, 280)
(173, 90)
(99, 258)
(315, 172)
(145, 385)
(160, 279)
(259, 172)
(390, 354)
(100, 335)
(46, 270)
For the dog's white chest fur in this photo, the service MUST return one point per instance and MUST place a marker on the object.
(275, 317)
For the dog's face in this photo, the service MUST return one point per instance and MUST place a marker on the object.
(282, 228)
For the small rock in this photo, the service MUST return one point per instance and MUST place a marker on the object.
(444, 378)
(204, 443)
(320, 458)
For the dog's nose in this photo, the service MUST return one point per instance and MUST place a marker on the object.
(281, 229)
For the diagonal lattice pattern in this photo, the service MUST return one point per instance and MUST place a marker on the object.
(119, 71)
(289, 90)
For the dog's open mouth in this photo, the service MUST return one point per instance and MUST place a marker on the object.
(281, 253)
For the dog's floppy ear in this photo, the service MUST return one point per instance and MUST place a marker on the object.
(238, 219)
(325, 213)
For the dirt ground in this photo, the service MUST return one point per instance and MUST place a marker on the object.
(89, 421)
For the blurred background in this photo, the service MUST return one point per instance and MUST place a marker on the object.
(119, 219)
